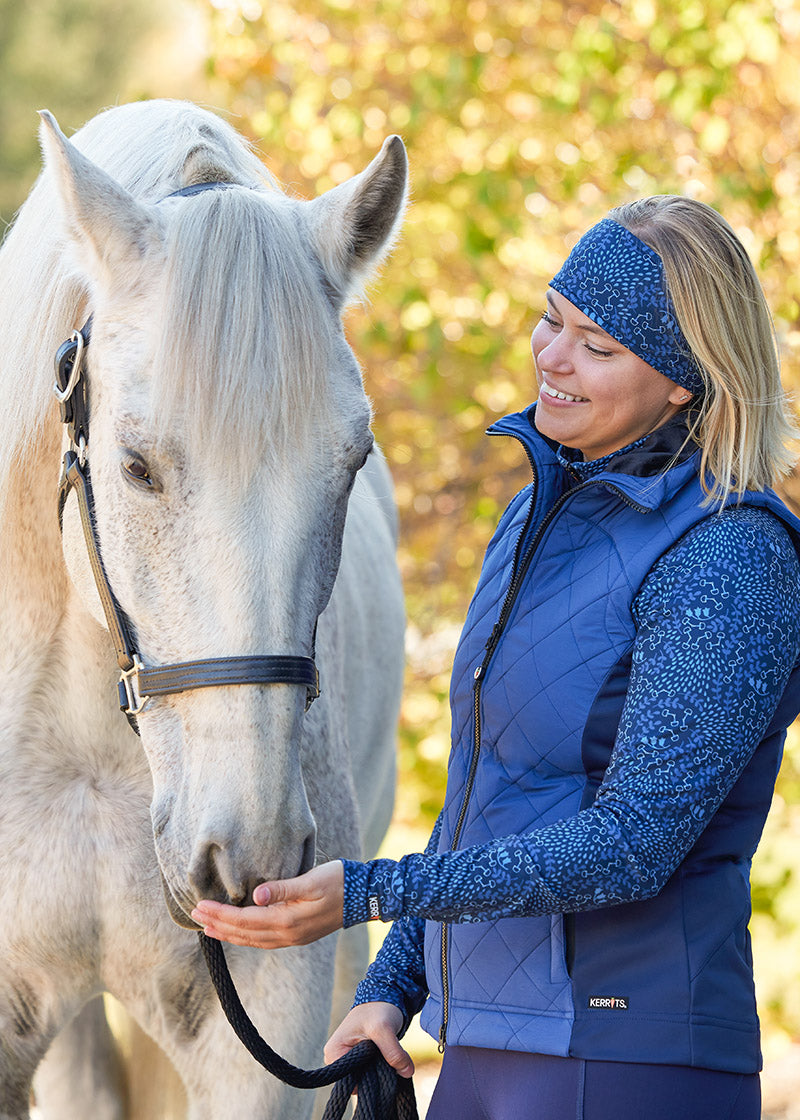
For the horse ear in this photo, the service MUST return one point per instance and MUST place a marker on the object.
(110, 229)
(354, 225)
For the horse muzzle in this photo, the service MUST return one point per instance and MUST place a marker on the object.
(175, 909)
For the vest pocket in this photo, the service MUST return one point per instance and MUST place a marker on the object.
(569, 941)
(561, 939)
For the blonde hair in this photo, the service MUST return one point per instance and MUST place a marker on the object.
(742, 420)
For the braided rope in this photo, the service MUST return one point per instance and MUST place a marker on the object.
(382, 1094)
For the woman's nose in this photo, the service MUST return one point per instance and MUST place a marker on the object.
(555, 355)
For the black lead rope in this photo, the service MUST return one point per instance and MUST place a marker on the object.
(382, 1094)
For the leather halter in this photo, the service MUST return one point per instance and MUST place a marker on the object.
(138, 683)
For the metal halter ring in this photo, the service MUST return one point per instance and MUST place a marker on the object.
(63, 395)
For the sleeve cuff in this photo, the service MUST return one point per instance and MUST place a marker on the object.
(355, 892)
(370, 891)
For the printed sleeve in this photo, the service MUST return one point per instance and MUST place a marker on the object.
(397, 975)
(718, 633)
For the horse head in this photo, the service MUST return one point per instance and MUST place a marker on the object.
(228, 422)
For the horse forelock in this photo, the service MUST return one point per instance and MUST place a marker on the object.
(244, 341)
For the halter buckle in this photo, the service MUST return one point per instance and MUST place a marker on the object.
(131, 702)
(312, 691)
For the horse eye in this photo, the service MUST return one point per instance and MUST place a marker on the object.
(135, 468)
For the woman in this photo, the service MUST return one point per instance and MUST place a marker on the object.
(577, 927)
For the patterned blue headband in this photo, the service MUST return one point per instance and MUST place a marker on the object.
(618, 281)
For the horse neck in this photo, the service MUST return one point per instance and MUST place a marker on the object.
(49, 644)
(57, 667)
(32, 574)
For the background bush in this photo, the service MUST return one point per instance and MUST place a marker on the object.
(525, 122)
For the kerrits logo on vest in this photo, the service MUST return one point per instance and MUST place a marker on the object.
(374, 908)
(608, 1003)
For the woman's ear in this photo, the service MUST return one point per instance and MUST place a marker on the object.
(680, 396)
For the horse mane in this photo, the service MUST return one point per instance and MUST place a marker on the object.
(244, 297)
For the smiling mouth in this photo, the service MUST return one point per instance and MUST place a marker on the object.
(549, 391)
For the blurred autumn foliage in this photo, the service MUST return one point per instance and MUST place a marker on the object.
(76, 57)
(525, 121)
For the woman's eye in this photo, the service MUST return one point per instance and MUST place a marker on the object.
(136, 470)
(551, 322)
(598, 353)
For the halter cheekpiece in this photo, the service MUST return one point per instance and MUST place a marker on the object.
(139, 683)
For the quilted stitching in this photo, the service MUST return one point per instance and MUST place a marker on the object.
(532, 757)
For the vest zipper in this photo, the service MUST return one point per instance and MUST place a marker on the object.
(519, 570)
(473, 765)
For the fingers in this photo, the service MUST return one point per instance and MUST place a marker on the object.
(293, 911)
(379, 1022)
(239, 925)
(266, 927)
(398, 1058)
(320, 883)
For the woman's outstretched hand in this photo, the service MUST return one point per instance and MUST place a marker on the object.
(379, 1022)
(286, 912)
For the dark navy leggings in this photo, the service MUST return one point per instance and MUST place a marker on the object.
(478, 1084)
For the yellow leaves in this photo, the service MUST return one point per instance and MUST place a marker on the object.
(496, 395)
(416, 316)
(567, 153)
(714, 135)
(495, 308)
(643, 13)
(789, 244)
(472, 113)
(374, 118)
(521, 106)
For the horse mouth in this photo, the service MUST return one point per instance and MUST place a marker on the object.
(175, 909)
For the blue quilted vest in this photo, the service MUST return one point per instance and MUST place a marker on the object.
(666, 980)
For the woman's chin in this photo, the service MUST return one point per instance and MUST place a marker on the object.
(548, 425)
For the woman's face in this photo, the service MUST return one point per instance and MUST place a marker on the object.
(594, 393)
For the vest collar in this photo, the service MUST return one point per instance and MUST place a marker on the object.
(645, 472)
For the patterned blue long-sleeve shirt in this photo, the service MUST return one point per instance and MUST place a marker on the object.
(718, 630)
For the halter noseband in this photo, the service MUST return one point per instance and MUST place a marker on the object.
(138, 683)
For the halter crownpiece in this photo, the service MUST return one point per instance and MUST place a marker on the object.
(618, 281)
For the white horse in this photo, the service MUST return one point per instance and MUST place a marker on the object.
(228, 426)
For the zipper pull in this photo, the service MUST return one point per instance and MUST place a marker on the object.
(478, 674)
(442, 1034)
(492, 636)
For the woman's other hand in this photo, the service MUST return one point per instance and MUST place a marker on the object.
(286, 912)
(379, 1022)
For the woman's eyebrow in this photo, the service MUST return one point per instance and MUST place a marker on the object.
(589, 327)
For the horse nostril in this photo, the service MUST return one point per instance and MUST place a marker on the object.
(210, 876)
(309, 856)
(214, 873)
